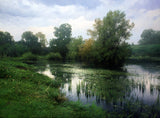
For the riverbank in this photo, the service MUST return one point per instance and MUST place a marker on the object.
(142, 59)
(25, 93)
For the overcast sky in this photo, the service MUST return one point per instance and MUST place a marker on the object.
(17, 16)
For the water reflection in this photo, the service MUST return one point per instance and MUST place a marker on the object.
(105, 89)
(145, 80)
(47, 72)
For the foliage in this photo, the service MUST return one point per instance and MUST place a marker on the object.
(96, 27)
(146, 50)
(110, 47)
(107, 45)
(63, 32)
(63, 37)
(42, 39)
(85, 50)
(29, 56)
(4, 71)
(5, 37)
(6, 41)
(150, 36)
(19, 49)
(73, 48)
(136, 109)
(31, 41)
(54, 56)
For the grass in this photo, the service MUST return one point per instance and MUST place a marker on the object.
(146, 50)
(24, 93)
(143, 59)
(146, 53)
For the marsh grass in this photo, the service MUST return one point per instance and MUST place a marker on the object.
(111, 86)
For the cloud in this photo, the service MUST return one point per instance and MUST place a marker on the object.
(147, 4)
(80, 26)
(48, 31)
(43, 15)
(36, 16)
(145, 20)
(86, 3)
(17, 8)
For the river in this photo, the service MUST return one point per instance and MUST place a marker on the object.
(106, 88)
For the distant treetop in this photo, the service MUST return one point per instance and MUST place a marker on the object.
(150, 36)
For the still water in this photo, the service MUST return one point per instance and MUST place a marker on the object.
(106, 88)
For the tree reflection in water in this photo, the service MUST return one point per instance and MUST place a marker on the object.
(107, 88)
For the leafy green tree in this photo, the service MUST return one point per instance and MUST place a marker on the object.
(73, 48)
(6, 43)
(150, 36)
(63, 32)
(29, 38)
(31, 41)
(112, 34)
(5, 37)
(94, 33)
(63, 37)
(19, 49)
(53, 45)
(42, 39)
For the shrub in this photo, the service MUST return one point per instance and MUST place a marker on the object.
(54, 56)
(29, 56)
(3, 72)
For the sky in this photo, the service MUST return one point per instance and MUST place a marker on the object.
(18, 16)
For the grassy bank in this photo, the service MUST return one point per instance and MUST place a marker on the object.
(24, 93)
(143, 59)
(152, 50)
(145, 53)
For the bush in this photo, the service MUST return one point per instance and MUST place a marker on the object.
(54, 56)
(29, 56)
(3, 72)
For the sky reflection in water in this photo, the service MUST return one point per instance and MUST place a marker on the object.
(94, 85)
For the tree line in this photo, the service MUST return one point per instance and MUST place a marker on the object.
(106, 46)
(148, 46)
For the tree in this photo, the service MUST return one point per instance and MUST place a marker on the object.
(73, 48)
(6, 43)
(31, 41)
(112, 33)
(85, 50)
(29, 37)
(42, 39)
(63, 32)
(94, 33)
(5, 37)
(63, 37)
(150, 36)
